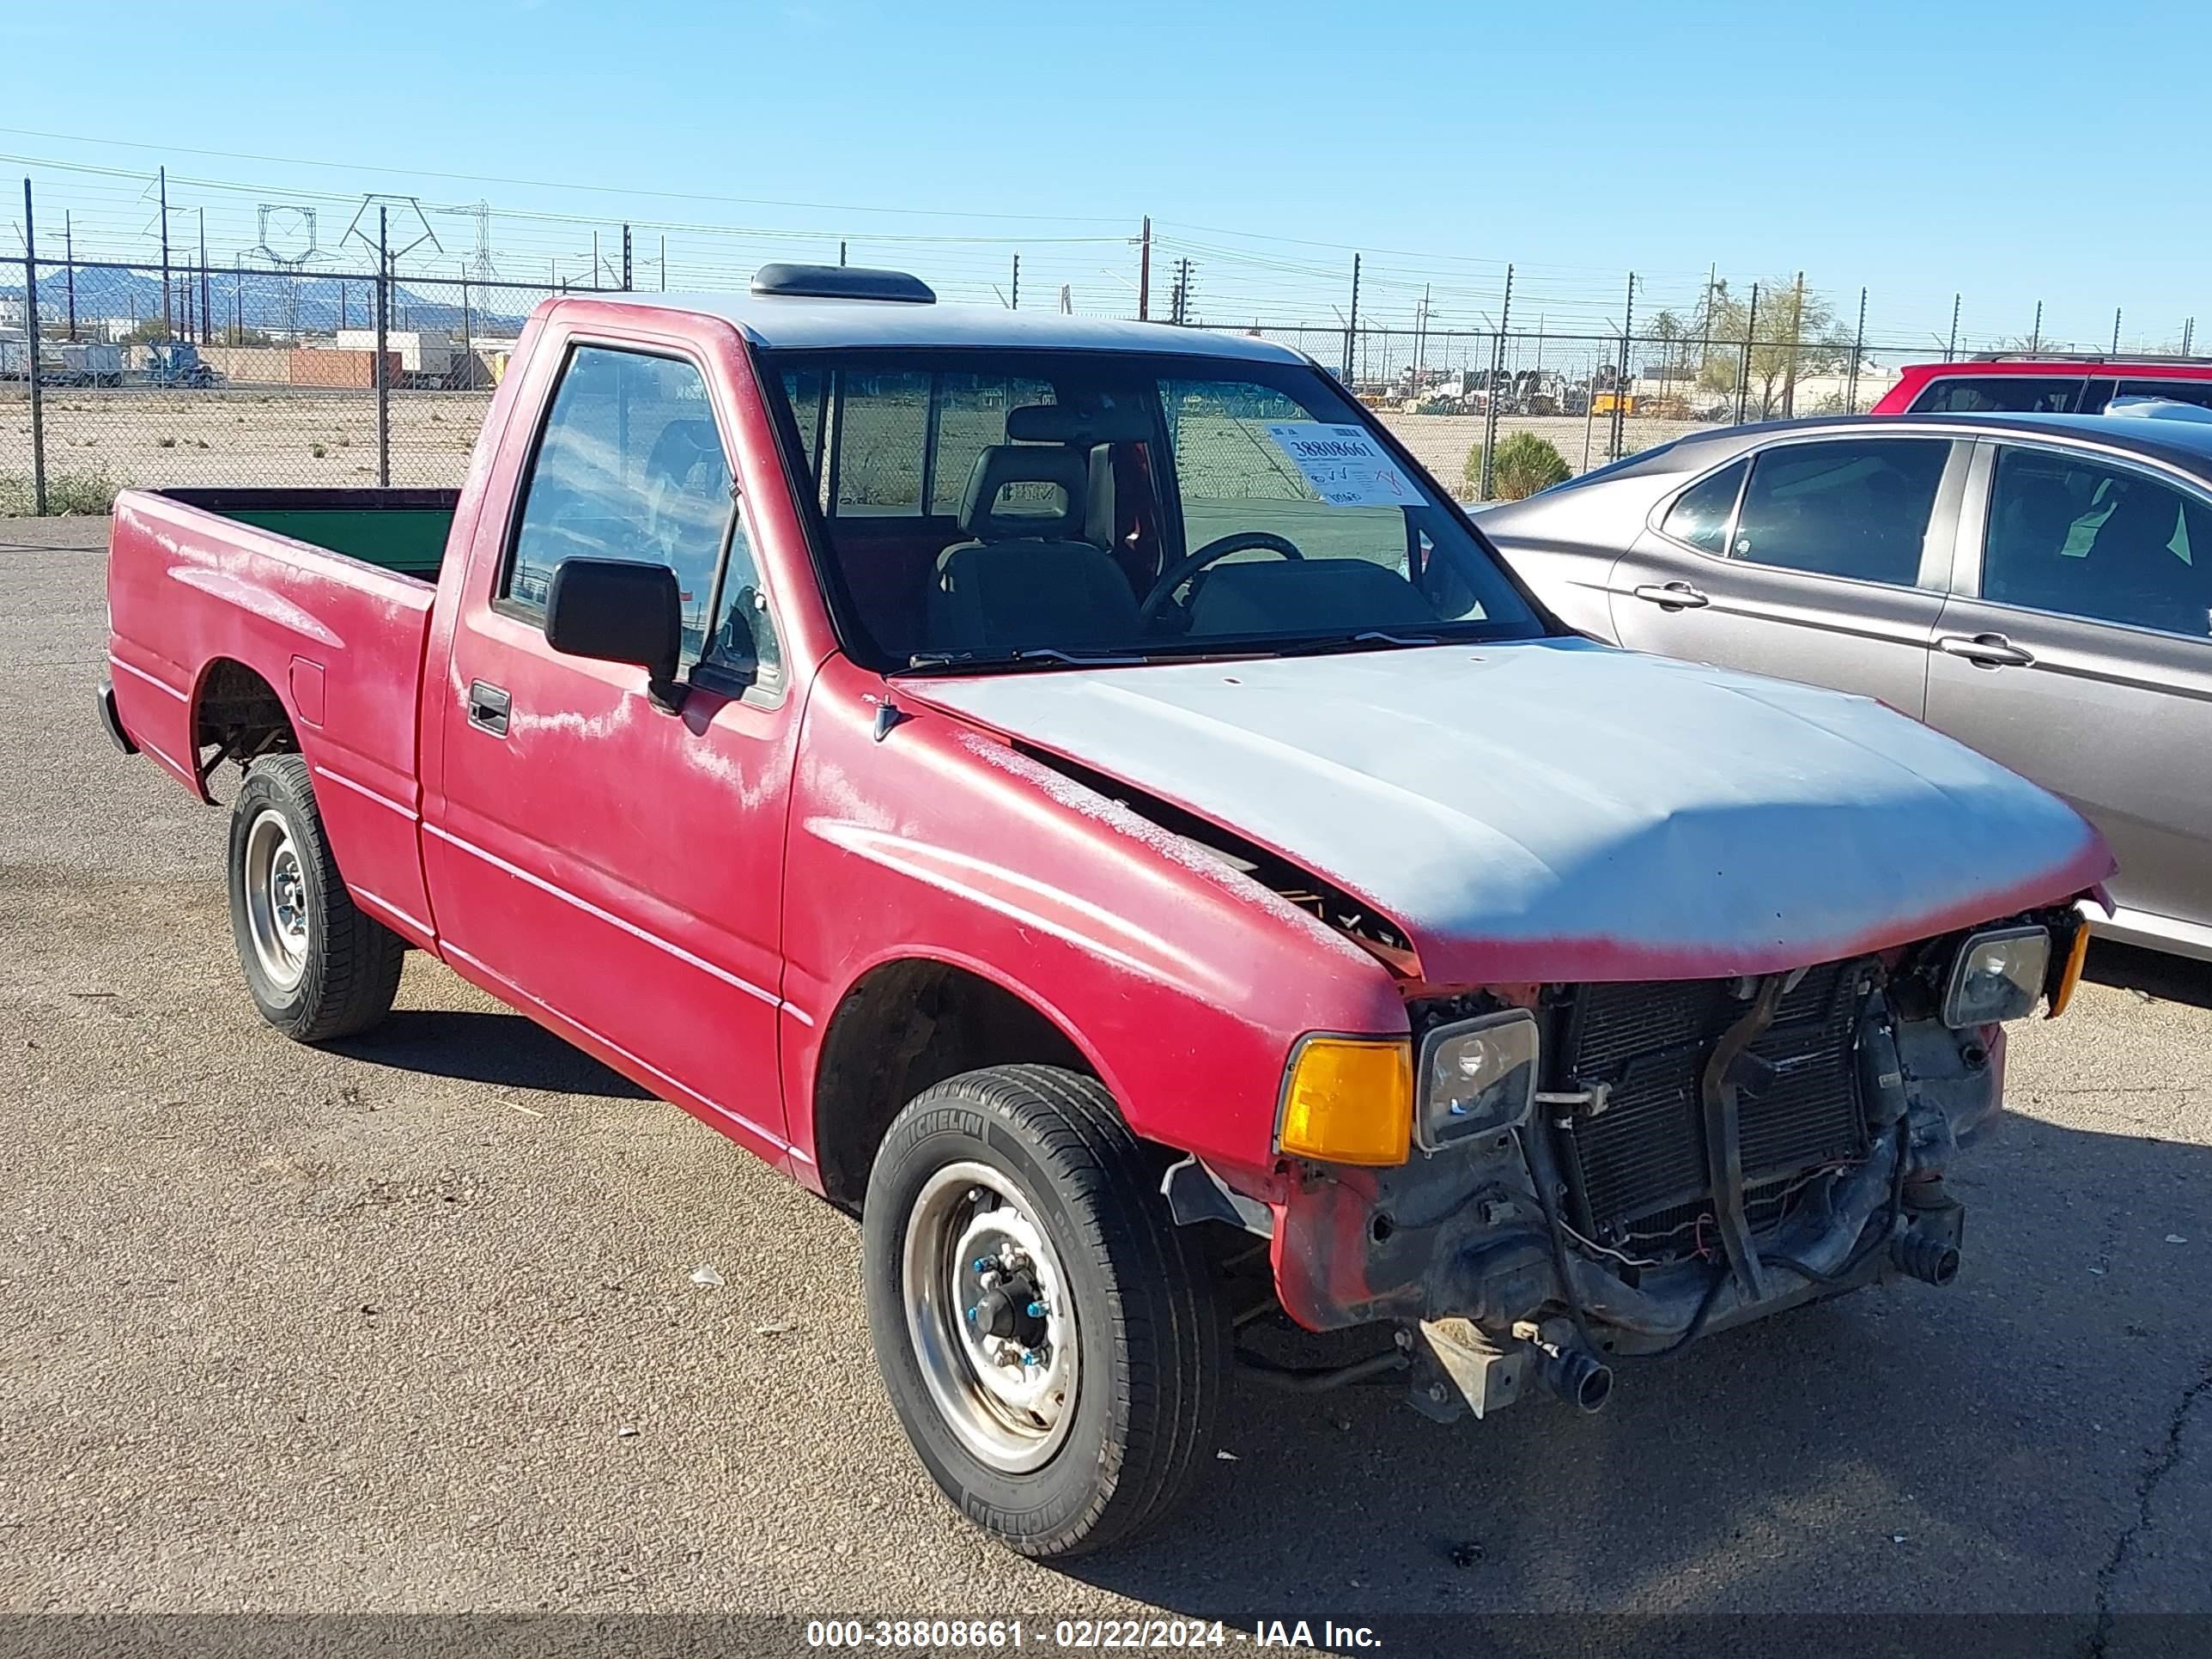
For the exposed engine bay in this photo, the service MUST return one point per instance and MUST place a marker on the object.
(1700, 1153)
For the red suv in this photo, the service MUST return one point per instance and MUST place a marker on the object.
(2046, 384)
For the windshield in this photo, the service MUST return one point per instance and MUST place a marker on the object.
(986, 508)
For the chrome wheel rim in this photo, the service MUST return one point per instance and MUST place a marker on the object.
(988, 1310)
(275, 899)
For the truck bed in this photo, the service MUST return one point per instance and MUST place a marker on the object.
(402, 530)
(234, 609)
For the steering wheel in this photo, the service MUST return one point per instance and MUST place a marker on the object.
(1220, 548)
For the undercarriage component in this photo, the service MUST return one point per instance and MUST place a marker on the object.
(1569, 1370)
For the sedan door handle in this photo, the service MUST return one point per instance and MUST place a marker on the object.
(1985, 650)
(1675, 596)
(488, 708)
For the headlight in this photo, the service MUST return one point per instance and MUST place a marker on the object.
(1998, 975)
(1476, 1077)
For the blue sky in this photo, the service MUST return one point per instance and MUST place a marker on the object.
(2014, 151)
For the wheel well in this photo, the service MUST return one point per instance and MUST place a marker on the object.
(905, 1026)
(239, 715)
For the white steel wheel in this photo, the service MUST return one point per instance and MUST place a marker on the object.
(1048, 1336)
(991, 1318)
(317, 967)
(275, 899)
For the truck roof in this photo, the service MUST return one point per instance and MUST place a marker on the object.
(778, 322)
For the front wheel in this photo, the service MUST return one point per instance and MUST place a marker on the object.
(1049, 1337)
(317, 967)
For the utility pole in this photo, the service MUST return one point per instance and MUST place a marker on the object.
(1796, 334)
(1352, 323)
(1421, 331)
(1858, 346)
(167, 327)
(1145, 271)
(1744, 368)
(2188, 333)
(468, 333)
(1490, 404)
(2035, 340)
(383, 366)
(206, 320)
(840, 251)
(664, 262)
(2116, 330)
(1015, 303)
(31, 346)
(595, 258)
(1620, 385)
(1951, 350)
(69, 271)
(625, 258)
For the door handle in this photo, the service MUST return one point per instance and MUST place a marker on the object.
(1985, 650)
(1674, 596)
(488, 708)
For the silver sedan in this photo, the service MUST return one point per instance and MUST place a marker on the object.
(2039, 586)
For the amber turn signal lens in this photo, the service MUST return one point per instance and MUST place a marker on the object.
(1349, 1100)
(2072, 976)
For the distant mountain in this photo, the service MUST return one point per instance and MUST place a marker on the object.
(275, 301)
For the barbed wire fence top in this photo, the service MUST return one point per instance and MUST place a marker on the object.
(199, 331)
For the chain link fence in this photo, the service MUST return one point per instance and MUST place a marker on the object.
(247, 377)
(204, 376)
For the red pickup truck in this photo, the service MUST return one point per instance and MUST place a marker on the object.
(1079, 795)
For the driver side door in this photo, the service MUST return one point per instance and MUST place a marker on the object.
(614, 866)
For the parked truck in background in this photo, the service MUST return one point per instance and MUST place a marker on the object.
(1077, 794)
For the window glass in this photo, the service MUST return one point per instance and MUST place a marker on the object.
(2076, 535)
(1082, 531)
(1701, 513)
(1856, 508)
(1232, 476)
(971, 417)
(882, 423)
(2176, 391)
(1998, 394)
(744, 637)
(630, 467)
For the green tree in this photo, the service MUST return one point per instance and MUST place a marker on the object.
(1794, 335)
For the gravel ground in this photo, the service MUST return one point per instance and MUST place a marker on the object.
(409, 1326)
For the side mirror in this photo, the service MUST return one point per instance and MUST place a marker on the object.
(614, 610)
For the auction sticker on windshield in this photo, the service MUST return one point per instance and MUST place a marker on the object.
(1344, 464)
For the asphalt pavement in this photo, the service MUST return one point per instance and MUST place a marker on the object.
(413, 1324)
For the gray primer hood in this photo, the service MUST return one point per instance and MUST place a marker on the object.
(1552, 810)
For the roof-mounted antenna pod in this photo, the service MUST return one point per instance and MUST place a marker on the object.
(789, 281)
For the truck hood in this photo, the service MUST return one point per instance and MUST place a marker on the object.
(1554, 810)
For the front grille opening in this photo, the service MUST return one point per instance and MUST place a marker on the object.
(1636, 1171)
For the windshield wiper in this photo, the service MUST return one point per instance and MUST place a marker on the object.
(1365, 636)
(1024, 655)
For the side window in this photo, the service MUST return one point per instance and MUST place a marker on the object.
(2174, 391)
(1998, 394)
(1857, 508)
(2088, 539)
(630, 467)
(744, 638)
(1700, 514)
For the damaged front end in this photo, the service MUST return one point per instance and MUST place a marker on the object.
(1610, 1170)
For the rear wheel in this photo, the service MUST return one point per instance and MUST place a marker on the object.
(317, 967)
(1049, 1337)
